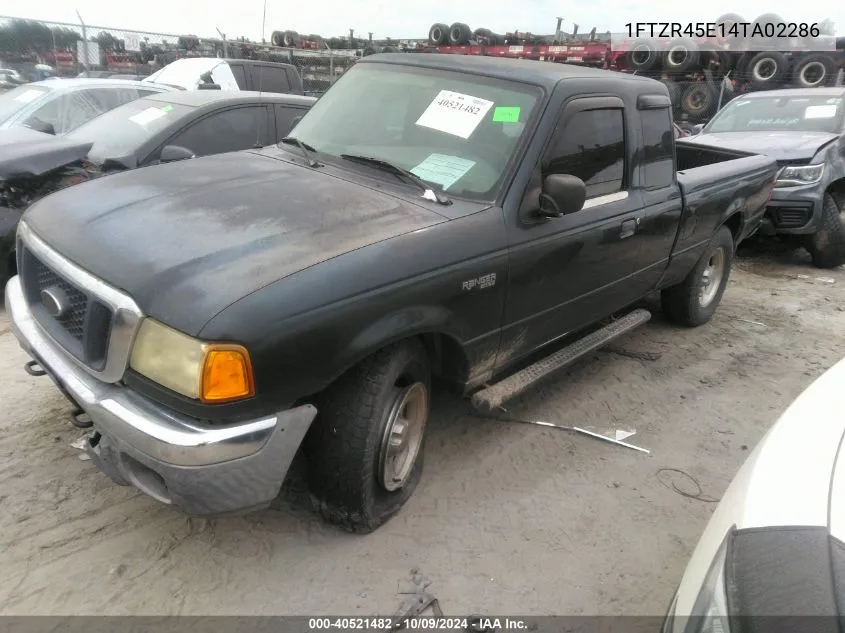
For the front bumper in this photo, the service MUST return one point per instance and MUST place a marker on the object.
(794, 210)
(177, 460)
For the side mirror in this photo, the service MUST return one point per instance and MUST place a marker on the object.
(40, 126)
(696, 129)
(172, 153)
(562, 194)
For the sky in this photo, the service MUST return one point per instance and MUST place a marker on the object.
(403, 19)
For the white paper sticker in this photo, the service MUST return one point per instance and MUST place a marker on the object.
(455, 113)
(147, 116)
(443, 169)
(29, 95)
(820, 112)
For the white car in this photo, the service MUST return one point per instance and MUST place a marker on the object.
(775, 545)
(60, 106)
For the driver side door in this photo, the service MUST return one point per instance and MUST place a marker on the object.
(570, 271)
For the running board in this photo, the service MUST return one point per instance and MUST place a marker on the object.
(491, 398)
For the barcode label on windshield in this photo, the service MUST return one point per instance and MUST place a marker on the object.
(455, 113)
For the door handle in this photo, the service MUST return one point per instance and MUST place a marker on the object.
(629, 227)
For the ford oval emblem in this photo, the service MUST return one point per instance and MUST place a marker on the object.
(55, 302)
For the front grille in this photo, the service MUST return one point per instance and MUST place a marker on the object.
(74, 320)
(84, 327)
(790, 217)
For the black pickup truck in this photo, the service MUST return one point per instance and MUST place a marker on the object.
(211, 317)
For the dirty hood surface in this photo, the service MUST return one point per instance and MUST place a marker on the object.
(25, 152)
(186, 240)
(781, 146)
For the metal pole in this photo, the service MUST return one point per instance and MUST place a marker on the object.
(84, 41)
(263, 22)
(331, 63)
(722, 91)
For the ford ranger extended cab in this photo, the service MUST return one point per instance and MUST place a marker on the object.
(209, 318)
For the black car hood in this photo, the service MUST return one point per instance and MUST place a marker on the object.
(186, 240)
(782, 146)
(25, 152)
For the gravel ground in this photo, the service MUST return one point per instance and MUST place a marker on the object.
(509, 517)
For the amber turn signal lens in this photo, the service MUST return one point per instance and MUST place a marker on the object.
(226, 374)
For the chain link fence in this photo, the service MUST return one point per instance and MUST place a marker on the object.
(99, 51)
(699, 80)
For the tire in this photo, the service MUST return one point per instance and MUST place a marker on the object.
(643, 56)
(699, 100)
(369, 51)
(675, 91)
(814, 71)
(681, 55)
(438, 34)
(763, 42)
(277, 38)
(827, 245)
(693, 301)
(459, 34)
(482, 35)
(727, 21)
(345, 447)
(741, 67)
(768, 69)
(389, 49)
(290, 38)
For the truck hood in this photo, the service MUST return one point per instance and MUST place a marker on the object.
(794, 477)
(25, 152)
(782, 146)
(186, 240)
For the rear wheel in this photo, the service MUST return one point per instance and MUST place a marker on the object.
(365, 450)
(693, 301)
(827, 245)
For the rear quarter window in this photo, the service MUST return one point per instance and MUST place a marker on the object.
(270, 79)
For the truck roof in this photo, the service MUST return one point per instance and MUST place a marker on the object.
(797, 92)
(255, 62)
(545, 74)
(197, 98)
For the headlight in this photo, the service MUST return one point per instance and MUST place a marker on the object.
(793, 176)
(209, 372)
(710, 612)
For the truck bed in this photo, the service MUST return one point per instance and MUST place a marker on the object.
(714, 184)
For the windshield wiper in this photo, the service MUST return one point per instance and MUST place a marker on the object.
(430, 193)
(305, 148)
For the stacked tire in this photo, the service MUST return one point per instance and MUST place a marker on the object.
(460, 34)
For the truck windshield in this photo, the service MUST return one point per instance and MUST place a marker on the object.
(455, 130)
(123, 131)
(780, 114)
(18, 98)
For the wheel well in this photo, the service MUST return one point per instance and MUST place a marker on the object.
(447, 357)
(837, 191)
(734, 223)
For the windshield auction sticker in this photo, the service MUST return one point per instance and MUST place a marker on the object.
(820, 112)
(148, 116)
(443, 169)
(455, 113)
(29, 95)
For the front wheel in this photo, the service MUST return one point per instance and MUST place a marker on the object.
(693, 301)
(365, 449)
(827, 245)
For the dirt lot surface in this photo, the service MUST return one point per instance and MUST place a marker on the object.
(509, 518)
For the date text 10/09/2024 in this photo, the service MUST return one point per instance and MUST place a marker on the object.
(416, 623)
(725, 30)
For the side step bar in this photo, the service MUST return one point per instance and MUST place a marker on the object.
(491, 398)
